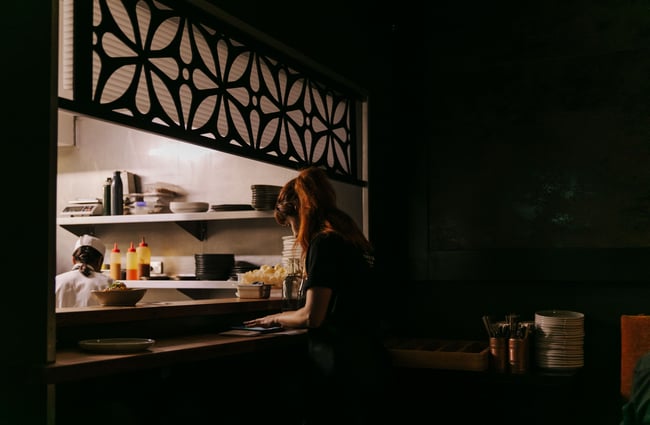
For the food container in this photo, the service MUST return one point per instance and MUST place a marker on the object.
(119, 297)
(254, 290)
(140, 207)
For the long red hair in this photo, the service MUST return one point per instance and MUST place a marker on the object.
(311, 198)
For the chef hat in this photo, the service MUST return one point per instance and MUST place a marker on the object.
(87, 240)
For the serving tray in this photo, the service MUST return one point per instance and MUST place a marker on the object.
(438, 354)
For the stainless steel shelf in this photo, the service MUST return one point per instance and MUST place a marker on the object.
(194, 223)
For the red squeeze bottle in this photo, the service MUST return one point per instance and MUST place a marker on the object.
(116, 263)
(131, 263)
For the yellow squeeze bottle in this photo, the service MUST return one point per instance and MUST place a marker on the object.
(144, 259)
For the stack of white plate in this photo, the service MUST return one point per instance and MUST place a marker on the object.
(559, 339)
(291, 254)
(188, 207)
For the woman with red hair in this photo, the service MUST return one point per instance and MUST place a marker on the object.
(347, 361)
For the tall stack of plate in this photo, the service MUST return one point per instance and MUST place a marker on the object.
(291, 253)
(264, 196)
(559, 339)
(214, 266)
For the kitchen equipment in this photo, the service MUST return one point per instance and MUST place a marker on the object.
(518, 354)
(83, 208)
(498, 356)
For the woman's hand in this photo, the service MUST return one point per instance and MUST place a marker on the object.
(311, 315)
(264, 322)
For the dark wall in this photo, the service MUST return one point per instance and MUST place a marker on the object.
(29, 140)
(528, 182)
(526, 127)
(508, 159)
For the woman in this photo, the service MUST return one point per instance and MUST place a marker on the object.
(347, 360)
(74, 288)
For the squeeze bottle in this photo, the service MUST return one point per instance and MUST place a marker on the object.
(144, 259)
(131, 263)
(116, 263)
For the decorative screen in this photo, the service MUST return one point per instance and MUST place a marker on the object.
(175, 72)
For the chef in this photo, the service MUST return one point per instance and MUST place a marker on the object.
(73, 288)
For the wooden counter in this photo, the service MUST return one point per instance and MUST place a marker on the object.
(184, 331)
(77, 364)
(67, 317)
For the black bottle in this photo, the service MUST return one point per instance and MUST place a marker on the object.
(107, 196)
(117, 199)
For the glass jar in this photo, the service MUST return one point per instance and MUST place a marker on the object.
(292, 291)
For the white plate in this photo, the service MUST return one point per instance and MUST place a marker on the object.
(116, 345)
(559, 314)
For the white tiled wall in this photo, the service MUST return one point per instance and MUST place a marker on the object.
(202, 174)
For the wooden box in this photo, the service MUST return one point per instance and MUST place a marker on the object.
(439, 354)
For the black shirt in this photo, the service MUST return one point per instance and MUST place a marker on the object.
(335, 263)
(347, 359)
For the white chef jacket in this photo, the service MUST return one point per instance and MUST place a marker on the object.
(73, 289)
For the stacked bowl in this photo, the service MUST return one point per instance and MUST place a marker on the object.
(264, 196)
(188, 207)
(214, 266)
(241, 267)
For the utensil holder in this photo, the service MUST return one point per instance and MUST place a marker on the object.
(518, 355)
(499, 354)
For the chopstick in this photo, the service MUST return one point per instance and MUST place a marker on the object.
(488, 326)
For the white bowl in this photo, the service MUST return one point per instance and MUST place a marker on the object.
(120, 297)
(185, 207)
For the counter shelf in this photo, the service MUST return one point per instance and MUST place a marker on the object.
(84, 316)
(194, 223)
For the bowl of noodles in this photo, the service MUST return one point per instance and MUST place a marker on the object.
(117, 294)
